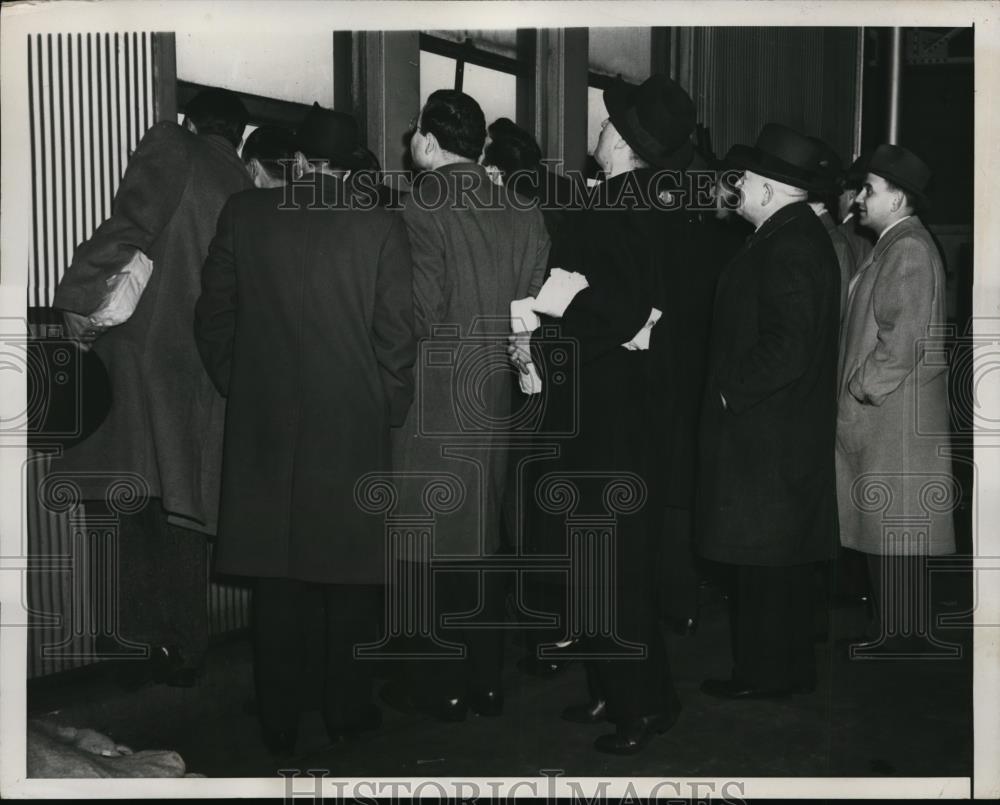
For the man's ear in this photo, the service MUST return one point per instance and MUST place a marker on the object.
(767, 195)
(897, 201)
(431, 144)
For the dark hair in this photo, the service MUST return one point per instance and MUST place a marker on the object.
(456, 121)
(218, 111)
(511, 148)
(269, 145)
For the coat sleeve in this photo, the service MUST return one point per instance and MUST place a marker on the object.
(789, 313)
(540, 238)
(215, 310)
(902, 299)
(147, 197)
(615, 305)
(393, 334)
(429, 279)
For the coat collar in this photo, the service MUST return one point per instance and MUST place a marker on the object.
(827, 221)
(883, 243)
(783, 217)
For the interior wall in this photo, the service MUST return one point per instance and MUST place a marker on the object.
(297, 66)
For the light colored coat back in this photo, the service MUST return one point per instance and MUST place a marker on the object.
(894, 480)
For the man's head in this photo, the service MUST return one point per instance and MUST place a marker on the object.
(510, 148)
(269, 153)
(327, 141)
(217, 111)
(613, 153)
(781, 168)
(893, 189)
(762, 196)
(451, 128)
(881, 203)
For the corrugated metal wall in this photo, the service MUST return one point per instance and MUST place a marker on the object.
(90, 100)
(806, 78)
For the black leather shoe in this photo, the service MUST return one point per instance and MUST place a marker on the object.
(632, 735)
(593, 712)
(280, 743)
(734, 689)
(487, 703)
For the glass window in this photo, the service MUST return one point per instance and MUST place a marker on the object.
(596, 113)
(496, 92)
(436, 72)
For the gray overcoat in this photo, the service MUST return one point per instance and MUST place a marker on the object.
(893, 470)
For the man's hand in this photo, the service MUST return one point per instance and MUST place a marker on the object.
(519, 350)
(79, 329)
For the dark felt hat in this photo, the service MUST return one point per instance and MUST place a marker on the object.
(782, 154)
(830, 177)
(656, 120)
(328, 134)
(903, 168)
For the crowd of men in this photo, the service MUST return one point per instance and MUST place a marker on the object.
(734, 377)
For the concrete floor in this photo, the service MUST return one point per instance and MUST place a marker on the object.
(867, 718)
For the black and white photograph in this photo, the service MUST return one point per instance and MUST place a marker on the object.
(591, 400)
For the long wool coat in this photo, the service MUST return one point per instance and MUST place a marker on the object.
(305, 322)
(629, 411)
(475, 249)
(166, 417)
(893, 410)
(767, 494)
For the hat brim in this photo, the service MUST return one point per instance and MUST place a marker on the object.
(618, 100)
(919, 195)
(746, 157)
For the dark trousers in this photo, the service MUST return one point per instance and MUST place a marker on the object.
(678, 590)
(162, 582)
(773, 626)
(293, 619)
(900, 594)
(634, 686)
(478, 600)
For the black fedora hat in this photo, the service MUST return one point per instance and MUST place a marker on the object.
(903, 168)
(782, 154)
(656, 120)
(328, 134)
(830, 177)
(855, 175)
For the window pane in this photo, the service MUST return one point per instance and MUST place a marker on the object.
(621, 51)
(596, 113)
(436, 72)
(496, 92)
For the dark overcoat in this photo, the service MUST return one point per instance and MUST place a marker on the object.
(305, 322)
(767, 492)
(166, 418)
(631, 411)
(476, 248)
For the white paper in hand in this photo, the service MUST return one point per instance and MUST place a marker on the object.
(558, 291)
(641, 339)
(124, 289)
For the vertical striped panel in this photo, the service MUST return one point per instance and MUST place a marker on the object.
(745, 77)
(90, 100)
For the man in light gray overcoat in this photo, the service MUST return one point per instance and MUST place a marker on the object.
(894, 479)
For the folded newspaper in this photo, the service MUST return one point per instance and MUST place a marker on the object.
(124, 289)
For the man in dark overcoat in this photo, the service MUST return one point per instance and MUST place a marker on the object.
(767, 496)
(638, 246)
(165, 422)
(475, 250)
(305, 323)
